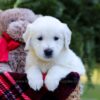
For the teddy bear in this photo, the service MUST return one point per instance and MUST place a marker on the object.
(13, 24)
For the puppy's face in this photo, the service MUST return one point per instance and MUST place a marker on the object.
(47, 36)
(47, 45)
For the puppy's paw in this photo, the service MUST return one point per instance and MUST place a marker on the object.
(35, 82)
(51, 82)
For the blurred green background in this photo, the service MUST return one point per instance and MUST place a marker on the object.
(83, 18)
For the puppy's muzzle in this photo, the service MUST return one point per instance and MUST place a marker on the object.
(48, 53)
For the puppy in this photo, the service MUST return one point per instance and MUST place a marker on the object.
(47, 41)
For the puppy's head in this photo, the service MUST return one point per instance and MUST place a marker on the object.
(47, 36)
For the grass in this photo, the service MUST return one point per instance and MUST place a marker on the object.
(92, 93)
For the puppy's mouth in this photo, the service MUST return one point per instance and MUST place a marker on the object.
(48, 56)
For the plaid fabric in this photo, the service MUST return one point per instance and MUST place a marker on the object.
(14, 86)
(11, 89)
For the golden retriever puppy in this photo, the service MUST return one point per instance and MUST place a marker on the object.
(47, 41)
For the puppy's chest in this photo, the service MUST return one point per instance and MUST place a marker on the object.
(45, 66)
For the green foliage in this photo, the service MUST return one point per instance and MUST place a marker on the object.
(82, 16)
(6, 4)
(45, 7)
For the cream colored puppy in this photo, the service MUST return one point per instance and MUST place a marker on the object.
(47, 41)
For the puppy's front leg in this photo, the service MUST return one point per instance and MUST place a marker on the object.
(55, 74)
(34, 77)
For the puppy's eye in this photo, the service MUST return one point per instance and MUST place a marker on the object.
(56, 38)
(40, 38)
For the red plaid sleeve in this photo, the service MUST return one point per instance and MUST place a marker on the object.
(14, 86)
(10, 89)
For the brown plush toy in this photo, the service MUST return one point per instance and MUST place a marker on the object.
(13, 24)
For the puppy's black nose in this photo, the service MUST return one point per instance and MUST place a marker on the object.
(48, 53)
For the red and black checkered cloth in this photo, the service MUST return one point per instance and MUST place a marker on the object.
(14, 86)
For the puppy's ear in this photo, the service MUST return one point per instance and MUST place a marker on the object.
(27, 36)
(67, 35)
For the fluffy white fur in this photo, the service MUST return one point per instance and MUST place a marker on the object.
(63, 60)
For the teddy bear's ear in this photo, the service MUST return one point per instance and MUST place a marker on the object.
(0, 21)
(67, 35)
(27, 36)
(1, 11)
